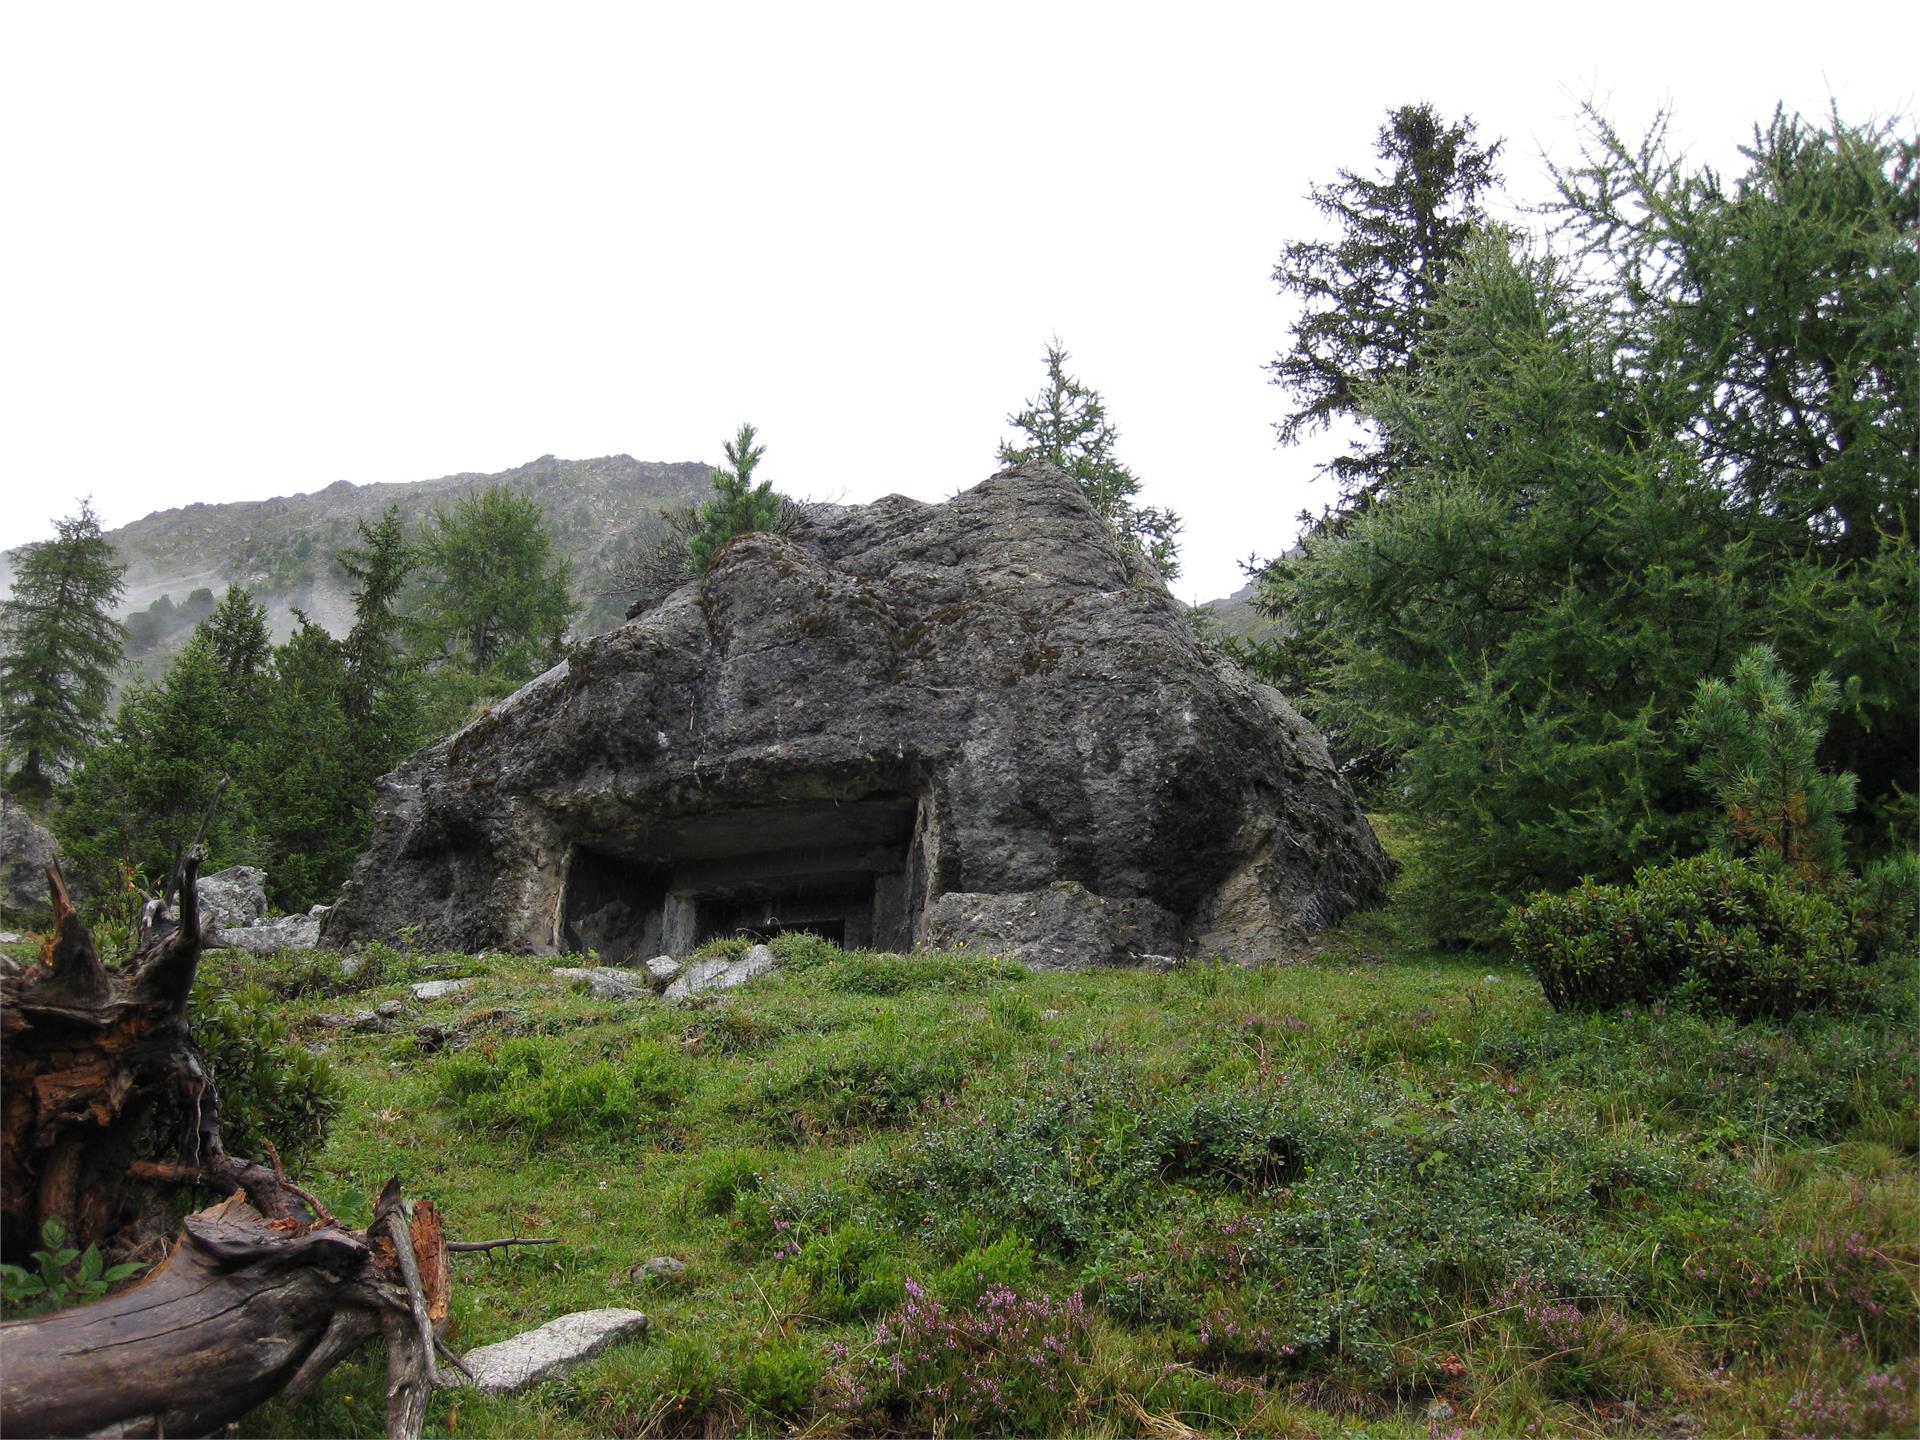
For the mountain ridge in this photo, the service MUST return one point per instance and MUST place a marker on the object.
(181, 559)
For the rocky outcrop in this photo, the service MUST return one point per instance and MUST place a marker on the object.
(26, 850)
(900, 724)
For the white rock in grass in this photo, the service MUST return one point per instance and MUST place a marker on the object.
(721, 973)
(436, 989)
(554, 1348)
(607, 983)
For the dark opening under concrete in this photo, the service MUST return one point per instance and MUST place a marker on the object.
(842, 869)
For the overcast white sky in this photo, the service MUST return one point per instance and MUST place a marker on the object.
(250, 250)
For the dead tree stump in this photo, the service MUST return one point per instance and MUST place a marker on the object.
(108, 1113)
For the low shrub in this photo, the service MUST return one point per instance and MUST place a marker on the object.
(536, 1086)
(856, 1081)
(720, 1179)
(1883, 905)
(871, 972)
(780, 1378)
(1717, 934)
(300, 974)
(851, 1273)
(1006, 1264)
(1005, 1365)
(271, 1089)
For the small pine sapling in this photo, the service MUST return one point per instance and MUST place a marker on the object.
(1758, 756)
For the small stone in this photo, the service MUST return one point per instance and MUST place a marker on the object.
(664, 969)
(607, 983)
(366, 1020)
(554, 1348)
(1049, 1014)
(660, 1267)
(390, 1009)
(438, 989)
(429, 1038)
(351, 965)
(1160, 962)
(7, 937)
(1440, 1410)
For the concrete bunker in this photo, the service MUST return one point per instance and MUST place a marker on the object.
(851, 871)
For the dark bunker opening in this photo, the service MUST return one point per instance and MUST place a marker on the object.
(844, 869)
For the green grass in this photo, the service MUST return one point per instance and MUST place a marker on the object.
(1385, 1191)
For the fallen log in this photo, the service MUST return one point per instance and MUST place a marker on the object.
(108, 1113)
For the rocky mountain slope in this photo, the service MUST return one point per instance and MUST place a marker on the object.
(180, 561)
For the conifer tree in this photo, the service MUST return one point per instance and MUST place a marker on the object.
(495, 597)
(1066, 426)
(59, 643)
(736, 507)
(312, 789)
(1587, 518)
(1759, 744)
(237, 631)
(380, 698)
(1367, 292)
(143, 789)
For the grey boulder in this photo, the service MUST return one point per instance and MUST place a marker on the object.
(440, 989)
(859, 728)
(234, 898)
(288, 932)
(1063, 927)
(26, 849)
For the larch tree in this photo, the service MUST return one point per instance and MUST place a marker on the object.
(496, 595)
(59, 644)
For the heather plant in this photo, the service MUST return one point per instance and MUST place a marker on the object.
(1853, 1399)
(1006, 1364)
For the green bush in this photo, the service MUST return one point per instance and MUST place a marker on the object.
(721, 1179)
(850, 1273)
(1005, 1264)
(869, 972)
(1717, 934)
(1884, 904)
(780, 1378)
(854, 1081)
(271, 1089)
(535, 1086)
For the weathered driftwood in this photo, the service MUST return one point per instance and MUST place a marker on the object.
(244, 1308)
(108, 1113)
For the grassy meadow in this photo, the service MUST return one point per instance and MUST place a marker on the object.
(1385, 1191)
